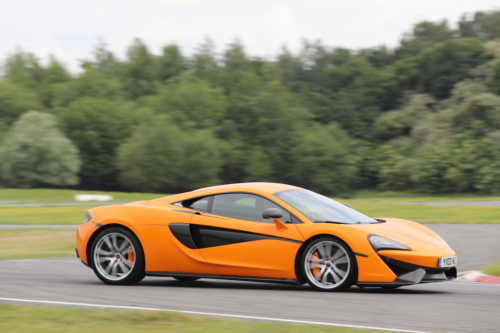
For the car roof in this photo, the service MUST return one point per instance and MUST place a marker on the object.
(261, 187)
(258, 188)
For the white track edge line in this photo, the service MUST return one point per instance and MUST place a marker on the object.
(212, 314)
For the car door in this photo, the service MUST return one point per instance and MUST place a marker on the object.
(237, 241)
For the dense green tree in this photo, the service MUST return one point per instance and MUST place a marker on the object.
(25, 70)
(191, 102)
(481, 25)
(204, 63)
(423, 35)
(394, 169)
(91, 83)
(171, 63)
(326, 149)
(14, 101)
(159, 157)
(140, 71)
(495, 82)
(97, 127)
(36, 153)
(104, 61)
(439, 67)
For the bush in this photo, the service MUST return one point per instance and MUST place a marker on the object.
(36, 153)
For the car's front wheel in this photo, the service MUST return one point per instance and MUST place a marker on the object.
(328, 264)
(117, 256)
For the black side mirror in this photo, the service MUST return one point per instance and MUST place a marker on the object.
(275, 214)
(272, 213)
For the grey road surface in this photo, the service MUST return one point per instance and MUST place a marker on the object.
(38, 226)
(450, 306)
(476, 245)
(48, 204)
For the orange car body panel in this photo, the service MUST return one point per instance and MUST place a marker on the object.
(270, 258)
(265, 258)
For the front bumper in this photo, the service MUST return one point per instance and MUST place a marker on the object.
(408, 274)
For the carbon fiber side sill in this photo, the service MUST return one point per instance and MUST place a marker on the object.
(224, 277)
(382, 284)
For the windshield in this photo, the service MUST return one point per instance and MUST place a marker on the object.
(322, 209)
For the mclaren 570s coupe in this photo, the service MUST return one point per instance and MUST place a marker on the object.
(260, 232)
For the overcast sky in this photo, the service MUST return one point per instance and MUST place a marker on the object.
(70, 28)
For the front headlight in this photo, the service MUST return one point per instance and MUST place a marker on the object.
(87, 217)
(382, 243)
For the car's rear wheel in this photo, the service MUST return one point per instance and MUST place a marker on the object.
(185, 278)
(117, 257)
(328, 264)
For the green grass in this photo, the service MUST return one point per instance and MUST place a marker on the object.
(43, 215)
(393, 196)
(39, 319)
(52, 195)
(24, 244)
(432, 214)
(493, 269)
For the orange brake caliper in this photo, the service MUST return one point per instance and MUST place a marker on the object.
(316, 270)
(130, 255)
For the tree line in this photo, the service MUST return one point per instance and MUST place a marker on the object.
(424, 115)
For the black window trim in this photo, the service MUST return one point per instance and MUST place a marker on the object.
(194, 199)
(211, 203)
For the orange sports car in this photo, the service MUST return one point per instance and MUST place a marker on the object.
(260, 232)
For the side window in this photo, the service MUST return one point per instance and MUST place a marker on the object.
(245, 207)
(201, 204)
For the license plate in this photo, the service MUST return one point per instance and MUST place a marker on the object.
(448, 261)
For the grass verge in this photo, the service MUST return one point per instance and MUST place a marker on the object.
(39, 319)
(395, 196)
(43, 215)
(493, 269)
(25, 244)
(432, 214)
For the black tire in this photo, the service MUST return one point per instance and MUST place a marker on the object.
(186, 278)
(112, 258)
(322, 264)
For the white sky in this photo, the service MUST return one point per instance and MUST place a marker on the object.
(69, 29)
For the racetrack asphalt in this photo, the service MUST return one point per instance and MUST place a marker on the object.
(450, 306)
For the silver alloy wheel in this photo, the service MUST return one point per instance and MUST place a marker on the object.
(327, 264)
(114, 256)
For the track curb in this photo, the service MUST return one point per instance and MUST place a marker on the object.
(478, 276)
